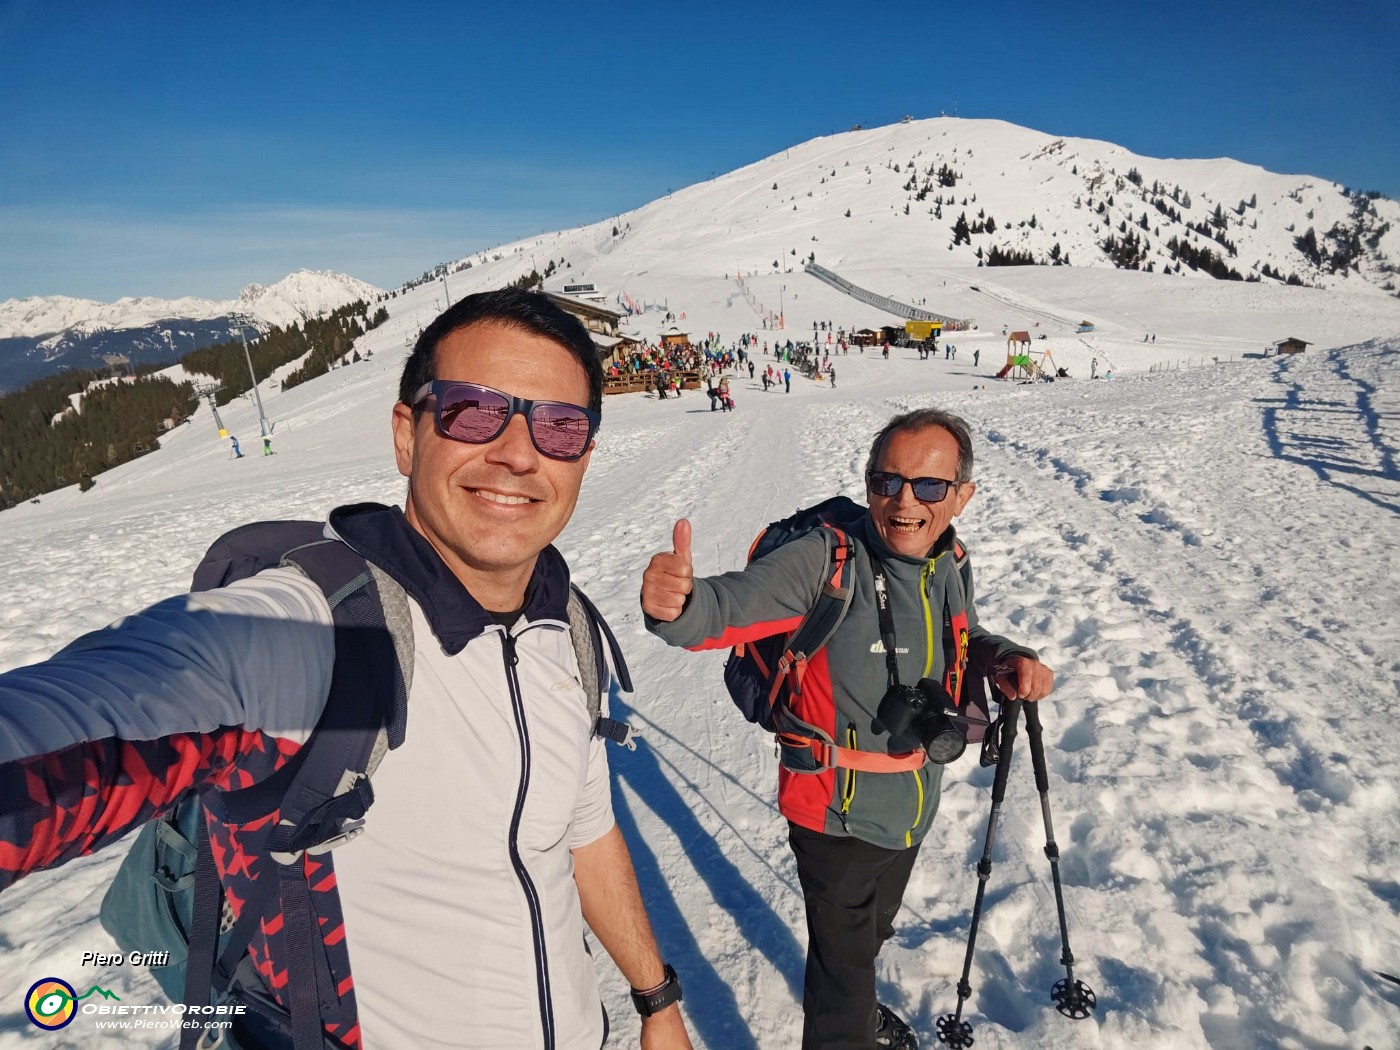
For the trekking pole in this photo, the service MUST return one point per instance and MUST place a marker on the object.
(952, 1029)
(1071, 997)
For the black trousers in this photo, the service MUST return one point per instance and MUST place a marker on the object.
(853, 891)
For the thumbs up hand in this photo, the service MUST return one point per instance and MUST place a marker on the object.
(669, 577)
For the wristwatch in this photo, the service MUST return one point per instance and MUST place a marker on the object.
(660, 997)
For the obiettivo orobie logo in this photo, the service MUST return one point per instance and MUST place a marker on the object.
(51, 1003)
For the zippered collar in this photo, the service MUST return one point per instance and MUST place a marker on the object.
(383, 535)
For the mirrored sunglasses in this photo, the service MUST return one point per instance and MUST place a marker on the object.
(477, 414)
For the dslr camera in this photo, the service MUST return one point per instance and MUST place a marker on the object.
(926, 713)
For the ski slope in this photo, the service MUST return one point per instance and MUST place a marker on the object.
(1205, 557)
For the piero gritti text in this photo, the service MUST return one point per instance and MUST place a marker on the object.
(129, 959)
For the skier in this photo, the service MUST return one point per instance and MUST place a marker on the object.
(787, 381)
(975, 355)
(267, 446)
(237, 452)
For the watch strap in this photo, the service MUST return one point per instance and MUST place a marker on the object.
(658, 999)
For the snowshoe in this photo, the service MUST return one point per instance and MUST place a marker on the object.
(893, 1032)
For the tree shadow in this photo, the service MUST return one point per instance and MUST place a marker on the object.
(1326, 456)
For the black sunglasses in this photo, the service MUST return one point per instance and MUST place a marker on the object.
(477, 414)
(926, 490)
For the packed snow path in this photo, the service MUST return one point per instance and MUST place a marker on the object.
(1206, 558)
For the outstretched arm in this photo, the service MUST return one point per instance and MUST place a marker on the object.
(113, 729)
(767, 597)
(613, 908)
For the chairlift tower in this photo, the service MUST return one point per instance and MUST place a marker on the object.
(257, 397)
(207, 391)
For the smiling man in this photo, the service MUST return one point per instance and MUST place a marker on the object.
(856, 820)
(455, 916)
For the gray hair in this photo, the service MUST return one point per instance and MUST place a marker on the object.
(923, 419)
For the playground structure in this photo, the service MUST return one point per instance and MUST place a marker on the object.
(1029, 365)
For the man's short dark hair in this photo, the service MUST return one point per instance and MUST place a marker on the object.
(922, 419)
(515, 308)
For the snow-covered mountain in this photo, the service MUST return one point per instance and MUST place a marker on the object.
(891, 199)
(40, 334)
(894, 209)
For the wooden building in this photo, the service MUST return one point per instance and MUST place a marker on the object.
(1291, 345)
(603, 325)
(674, 337)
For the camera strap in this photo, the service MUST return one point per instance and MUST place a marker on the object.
(882, 607)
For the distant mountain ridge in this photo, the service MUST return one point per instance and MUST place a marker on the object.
(40, 335)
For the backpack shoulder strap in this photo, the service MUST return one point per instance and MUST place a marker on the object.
(323, 793)
(834, 598)
(589, 633)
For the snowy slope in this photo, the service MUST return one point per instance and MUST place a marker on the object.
(703, 237)
(1200, 555)
(793, 204)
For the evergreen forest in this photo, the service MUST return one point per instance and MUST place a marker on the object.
(48, 442)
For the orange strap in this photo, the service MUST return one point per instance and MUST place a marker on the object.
(830, 756)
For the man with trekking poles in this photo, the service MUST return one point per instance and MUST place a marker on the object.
(857, 643)
(242, 724)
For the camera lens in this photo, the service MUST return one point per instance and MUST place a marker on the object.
(942, 738)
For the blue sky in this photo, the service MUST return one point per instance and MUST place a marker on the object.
(194, 146)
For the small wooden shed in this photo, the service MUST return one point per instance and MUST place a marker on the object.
(673, 336)
(1291, 345)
